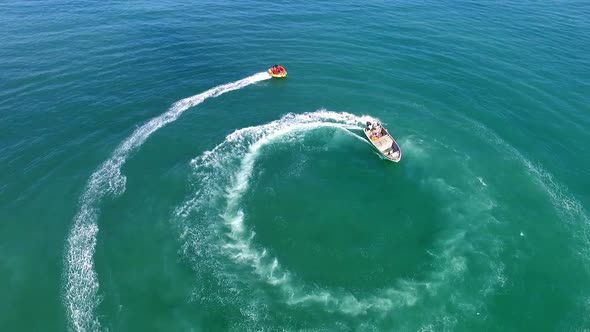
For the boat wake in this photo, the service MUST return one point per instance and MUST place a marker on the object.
(81, 284)
(219, 244)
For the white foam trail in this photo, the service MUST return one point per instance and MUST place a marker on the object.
(223, 176)
(81, 283)
(480, 179)
(244, 146)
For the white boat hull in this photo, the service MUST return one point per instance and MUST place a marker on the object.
(383, 142)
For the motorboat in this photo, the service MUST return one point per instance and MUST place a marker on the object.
(383, 141)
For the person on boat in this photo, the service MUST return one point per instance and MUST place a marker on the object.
(276, 69)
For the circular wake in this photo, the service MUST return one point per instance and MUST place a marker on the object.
(81, 283)
(221, 246)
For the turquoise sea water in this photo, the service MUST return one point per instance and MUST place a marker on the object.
(256, 204)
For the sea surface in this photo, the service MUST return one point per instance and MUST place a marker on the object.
(154, 178)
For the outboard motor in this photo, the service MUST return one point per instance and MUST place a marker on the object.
(368, 124)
